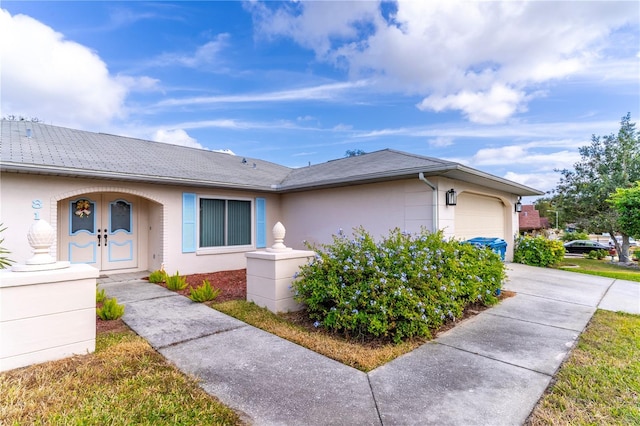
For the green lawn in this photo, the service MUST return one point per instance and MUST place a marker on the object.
(124, 382)
(600, 382)
(602, 268)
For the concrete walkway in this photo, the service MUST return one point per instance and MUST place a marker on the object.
(489, 370)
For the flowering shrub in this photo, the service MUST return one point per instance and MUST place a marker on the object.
(402, 286)
(538, 251)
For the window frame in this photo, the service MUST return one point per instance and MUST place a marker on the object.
(225, 248)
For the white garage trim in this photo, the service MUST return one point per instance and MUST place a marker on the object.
(479, 216)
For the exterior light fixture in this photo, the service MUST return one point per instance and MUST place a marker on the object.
(518, 205)
(452, 197)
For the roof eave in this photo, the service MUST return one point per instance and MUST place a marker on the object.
(454, 170)
(130, 177)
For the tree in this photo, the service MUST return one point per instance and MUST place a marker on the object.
(608, 163)
(354, 152)
(627, 203)
(547, 208)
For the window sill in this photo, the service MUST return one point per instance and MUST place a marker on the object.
(223, 250)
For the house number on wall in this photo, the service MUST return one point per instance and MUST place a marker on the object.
(36, 204)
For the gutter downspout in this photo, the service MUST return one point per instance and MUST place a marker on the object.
(435, 201)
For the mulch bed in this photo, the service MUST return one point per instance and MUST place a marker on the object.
(232, 284)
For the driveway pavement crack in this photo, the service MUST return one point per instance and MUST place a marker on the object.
(202, 336)
(495, 359)
(555, 300)
(375, 402)
(533, 322)
(606, 292)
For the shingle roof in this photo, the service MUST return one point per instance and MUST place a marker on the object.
(76, 152)
(529, 218)
(62, 151)
(379, 165)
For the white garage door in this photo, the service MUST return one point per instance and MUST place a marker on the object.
(479, 216)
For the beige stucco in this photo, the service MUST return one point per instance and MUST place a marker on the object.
(312, 215)
(159, 224)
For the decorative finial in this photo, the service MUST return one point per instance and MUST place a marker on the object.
(279, 232)
(41, 237)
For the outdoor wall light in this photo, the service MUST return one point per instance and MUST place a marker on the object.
(518, 205)
(452, 197)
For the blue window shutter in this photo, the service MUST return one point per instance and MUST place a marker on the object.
(189, 222)
(261, 223)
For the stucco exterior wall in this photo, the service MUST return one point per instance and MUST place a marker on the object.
(310, 215)
(315, 216)
(160, 206)
(379, 207)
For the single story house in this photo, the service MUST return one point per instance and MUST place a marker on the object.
(123, 204)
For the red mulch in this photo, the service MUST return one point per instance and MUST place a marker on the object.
(232, 285)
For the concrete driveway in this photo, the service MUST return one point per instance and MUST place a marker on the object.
(488, 370)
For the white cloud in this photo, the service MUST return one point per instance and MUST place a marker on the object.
(208, 53)
(542, 181)
(441, 141)
(525, 155)
(317, 25)
(493, 106)
(320, 92)
(57, 80)
(139, 84)
(485, 59)
(176, 137)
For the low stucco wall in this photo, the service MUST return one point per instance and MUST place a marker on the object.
(46, 315)
(269, 278)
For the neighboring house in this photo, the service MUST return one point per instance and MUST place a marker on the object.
(530, 220)
(124, 204)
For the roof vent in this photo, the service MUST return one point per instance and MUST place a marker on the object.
(28, 133)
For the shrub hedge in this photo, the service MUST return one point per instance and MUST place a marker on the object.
(538, 251)
(403, 286)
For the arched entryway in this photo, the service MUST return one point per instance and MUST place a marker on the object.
(101, 230)
(110, 230)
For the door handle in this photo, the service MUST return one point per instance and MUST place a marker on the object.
(99, 238)
(105, 238)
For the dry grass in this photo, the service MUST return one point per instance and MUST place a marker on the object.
(124, 382)
(600, 382)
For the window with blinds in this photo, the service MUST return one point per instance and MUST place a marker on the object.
(224, 222)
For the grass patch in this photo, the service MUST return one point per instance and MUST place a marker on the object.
(600, 381)
(602, 268)
(123, 382)
(295, 327)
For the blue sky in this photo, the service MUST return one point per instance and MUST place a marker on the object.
(510, 88)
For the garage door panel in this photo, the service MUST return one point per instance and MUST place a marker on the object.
(479, 216)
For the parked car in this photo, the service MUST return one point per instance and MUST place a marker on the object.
(632, 242)
(584, 246)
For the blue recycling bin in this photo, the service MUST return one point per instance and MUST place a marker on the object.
(498, 245)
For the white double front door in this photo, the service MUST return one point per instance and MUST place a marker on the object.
(100, 230)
